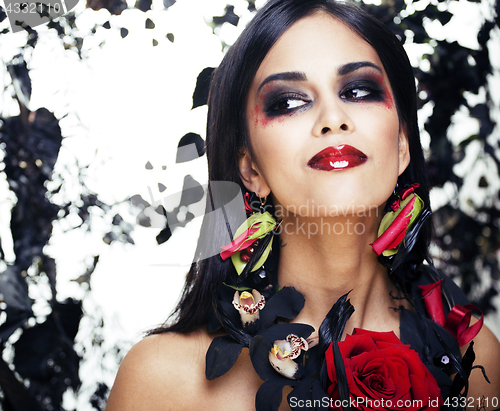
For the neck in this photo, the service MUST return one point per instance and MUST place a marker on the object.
(324, 258)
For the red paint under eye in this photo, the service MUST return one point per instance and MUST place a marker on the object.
(388, 100)
(260, 117)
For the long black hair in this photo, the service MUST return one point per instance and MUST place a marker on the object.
(227, 134)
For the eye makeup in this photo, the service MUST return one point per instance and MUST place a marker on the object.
(279, 94)
(279, 101)
(367, 86)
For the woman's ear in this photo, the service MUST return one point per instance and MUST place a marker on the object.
(404, 149)
(251, 177)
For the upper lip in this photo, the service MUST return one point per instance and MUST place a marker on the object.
(342, 150)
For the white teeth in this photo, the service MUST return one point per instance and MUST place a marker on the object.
(339, 164)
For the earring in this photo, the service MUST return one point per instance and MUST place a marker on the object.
(263, 201)
(404, 210)
(255, 235)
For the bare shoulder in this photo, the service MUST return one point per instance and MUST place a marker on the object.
(160, 372)
(487, 350)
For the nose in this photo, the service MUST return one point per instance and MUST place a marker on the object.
(332, 118)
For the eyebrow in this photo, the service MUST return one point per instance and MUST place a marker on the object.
(300, 76)
(350, 67)
(289, 75)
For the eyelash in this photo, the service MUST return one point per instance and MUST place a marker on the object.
(272, 109)
(375, 93)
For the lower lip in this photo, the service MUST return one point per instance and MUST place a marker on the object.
(337, 163)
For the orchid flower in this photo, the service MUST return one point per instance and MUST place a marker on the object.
(249, 306)
(284, 352)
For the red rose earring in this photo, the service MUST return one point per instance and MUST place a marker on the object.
(257, 229)
(396, 223)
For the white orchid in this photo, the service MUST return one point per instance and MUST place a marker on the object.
(284, 352)
(249, 306)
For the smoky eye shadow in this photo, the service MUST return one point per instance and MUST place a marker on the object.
(272, 96)
(373, 83)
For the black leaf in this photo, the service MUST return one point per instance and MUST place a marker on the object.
(143, 5)
(192, 191)
(228, 17)
(18, 70)
(137, 200)
(191, 146)
(200, 95)
(15, 294)
(164, 235)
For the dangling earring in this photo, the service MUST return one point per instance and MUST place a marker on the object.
(404, 210)
(263, 201)
(254, 236)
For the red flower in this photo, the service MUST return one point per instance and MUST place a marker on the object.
(457, 323)
(382, 374)
(395, 224)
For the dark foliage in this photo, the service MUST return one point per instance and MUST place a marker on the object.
(200, 95)
(467, 235)
(190, 140)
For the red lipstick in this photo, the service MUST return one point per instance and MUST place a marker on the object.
(337, 158)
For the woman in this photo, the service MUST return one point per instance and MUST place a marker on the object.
(313, 113)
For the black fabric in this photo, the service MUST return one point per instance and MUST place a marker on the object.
(437, 348)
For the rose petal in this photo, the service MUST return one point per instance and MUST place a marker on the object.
(431, 294)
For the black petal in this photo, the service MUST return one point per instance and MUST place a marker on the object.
(259, 354)
(221, 356)
(286, 303)
(318, 393)
(300, 394)
(269, 395)
(281, 331)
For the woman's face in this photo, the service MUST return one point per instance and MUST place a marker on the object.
(324, 129)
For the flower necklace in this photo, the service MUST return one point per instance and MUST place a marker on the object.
(366, 371)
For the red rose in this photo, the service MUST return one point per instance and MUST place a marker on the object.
(382, 374)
